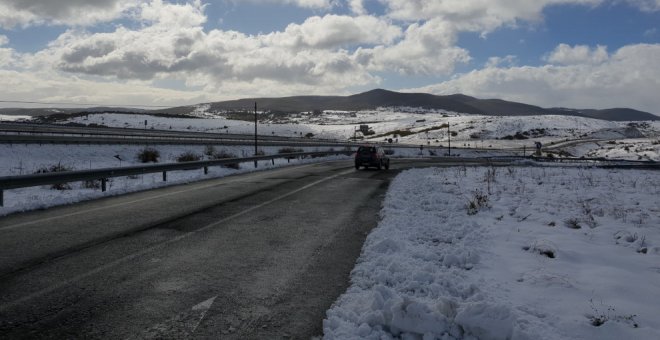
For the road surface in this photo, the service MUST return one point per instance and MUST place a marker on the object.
(255, 256)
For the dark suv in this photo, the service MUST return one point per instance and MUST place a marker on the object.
(371, 156)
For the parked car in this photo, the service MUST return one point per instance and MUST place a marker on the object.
(371, 156)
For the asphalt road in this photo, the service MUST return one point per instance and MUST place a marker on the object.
(256, 256)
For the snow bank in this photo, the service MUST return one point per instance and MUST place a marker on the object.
(480, 253)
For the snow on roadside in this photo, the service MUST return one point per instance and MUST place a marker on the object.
(483, 253)
(27, 159)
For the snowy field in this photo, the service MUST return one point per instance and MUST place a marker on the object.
(509, 253)
(418, 128)
(628, 149)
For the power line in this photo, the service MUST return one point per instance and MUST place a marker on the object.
(79, 104)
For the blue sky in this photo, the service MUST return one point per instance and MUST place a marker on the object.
(572, 53)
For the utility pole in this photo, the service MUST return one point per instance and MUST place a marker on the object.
(256, 150)
(449, 136)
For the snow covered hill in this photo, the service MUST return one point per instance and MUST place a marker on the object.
(432, 128)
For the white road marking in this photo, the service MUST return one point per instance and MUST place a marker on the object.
(182, 325)
(7, 306)
(204, 307)
(48, 219)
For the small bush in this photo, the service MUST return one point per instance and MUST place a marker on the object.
(289, 150)
(59, 167)
(601, 315)
(479, 201)
(188, 156)
(93, 183)
(222, 154)
(148, 155)
(209, 151)
(573, 223)
(542, 247)
(309, 135)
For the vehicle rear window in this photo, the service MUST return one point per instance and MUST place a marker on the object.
(364, 149)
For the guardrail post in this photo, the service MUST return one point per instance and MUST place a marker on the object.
(104, 182)
(206, 170)
(164, 176)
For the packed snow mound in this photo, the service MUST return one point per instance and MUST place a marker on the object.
(512, 269)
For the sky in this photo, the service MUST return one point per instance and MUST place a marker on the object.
(551, 53)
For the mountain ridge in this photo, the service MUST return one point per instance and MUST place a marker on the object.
(385, 98)
(370, 100)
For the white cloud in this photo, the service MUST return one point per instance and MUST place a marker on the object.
(509, 60)
(579, 54)
(475, 15)
(629, 77)
(334, 31)
(172, 44)
(428, 48)
(646, 5)
(52, 87)
(357, 7)
(313, 4)
(67, 12)
(7, 55)
(324, 54)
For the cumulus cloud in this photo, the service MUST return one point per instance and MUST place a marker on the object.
(313, 4)
(7, 55)
(579, 54)
(52, 87)
(425, 49)
(646, 5)
(326, 53)
(173, 43)
(476, 15)
(335, 31)
(69, 12)
(629, 77)
(357, 7)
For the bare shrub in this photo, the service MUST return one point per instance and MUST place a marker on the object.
(188, 156)
(573, 223)
(59, 167)
(223, 154)
(289, 150)
(489, 178)
(478, 201)
(608, 313)
(542, 247)
(209, 151)
(91, 184)
(148, 155)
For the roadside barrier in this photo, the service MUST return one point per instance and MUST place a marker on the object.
(24, 181)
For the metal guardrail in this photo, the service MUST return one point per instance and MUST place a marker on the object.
(24, 181)
(83, 131)
(599, 162)
(130, 140)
